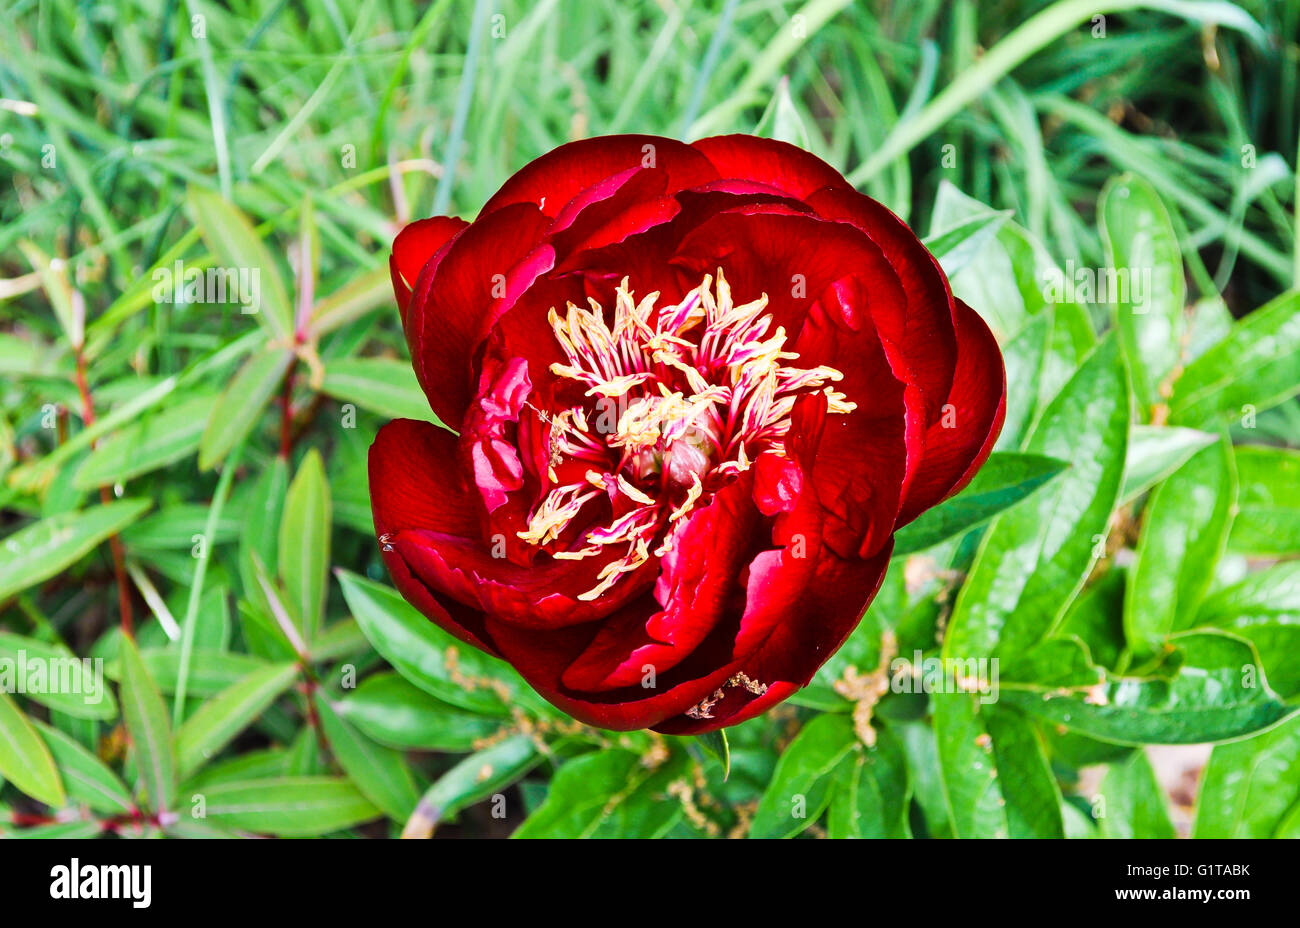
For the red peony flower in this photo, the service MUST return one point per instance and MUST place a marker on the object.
(697, 388)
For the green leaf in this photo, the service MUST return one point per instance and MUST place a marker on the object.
(289, 807)
(1183, 536)
(147, 444)
(1133, 805)
(925, 774)
(46, 548)
(1003, 481)
(62, 830)
(68, 306)
(53, 676)
(259, 535)
(358, 296)
(1034, 558)
(1268, 508)
(477, 776)
(803, 782)
(872, 794)
(228, 713)
(1250, 787)
(381, 385)
(1023, 357)
(982, 749)
(210, 671)
(419, 650)
(304, 548)
(958, 245)
(175, 527)
(1155, 452)
(1096, 618)
(87, 778)
(715, 743)
(392, 711)
(1145, 282)
(1208, 689)
(379, 772)
(608, 794)
(782, 121)
(25, 761)
(1252, 369)
(239, 408)
(235, 244)
(1264, 608)
(149, 729)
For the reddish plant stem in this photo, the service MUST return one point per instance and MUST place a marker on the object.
(286, 413)
(106, 496)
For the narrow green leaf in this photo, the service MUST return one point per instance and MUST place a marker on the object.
(87, 778)
(290, 807)
(477, 776)
(210, 671)
(68, 306)
(782, 121)
(382, 385)
(392, 711)
(149, 729)
(239, 408)
(716, 744)
(304, 548)
(54, 676)
(228, 713)
(1003, 481)
(236, 246)
(419, 650)
(154, 441)
(41, 550)
(379, 772)
(359, 296)
(25, 761)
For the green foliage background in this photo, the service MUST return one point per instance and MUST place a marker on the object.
(1129, 555)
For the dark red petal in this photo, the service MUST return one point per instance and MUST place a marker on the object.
(414, 483)
(928, 340)
(412, 249)
(540, 657)
(481, 274)
(831, 606)
(767, 161)
(428, 520)
(551, 181)
(959, 443)
(795, 258)
(697, 585)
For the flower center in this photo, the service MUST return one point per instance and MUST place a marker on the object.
(683, 398)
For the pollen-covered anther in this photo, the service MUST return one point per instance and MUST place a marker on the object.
(686, 397)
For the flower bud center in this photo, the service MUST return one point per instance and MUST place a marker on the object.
(683, 399)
